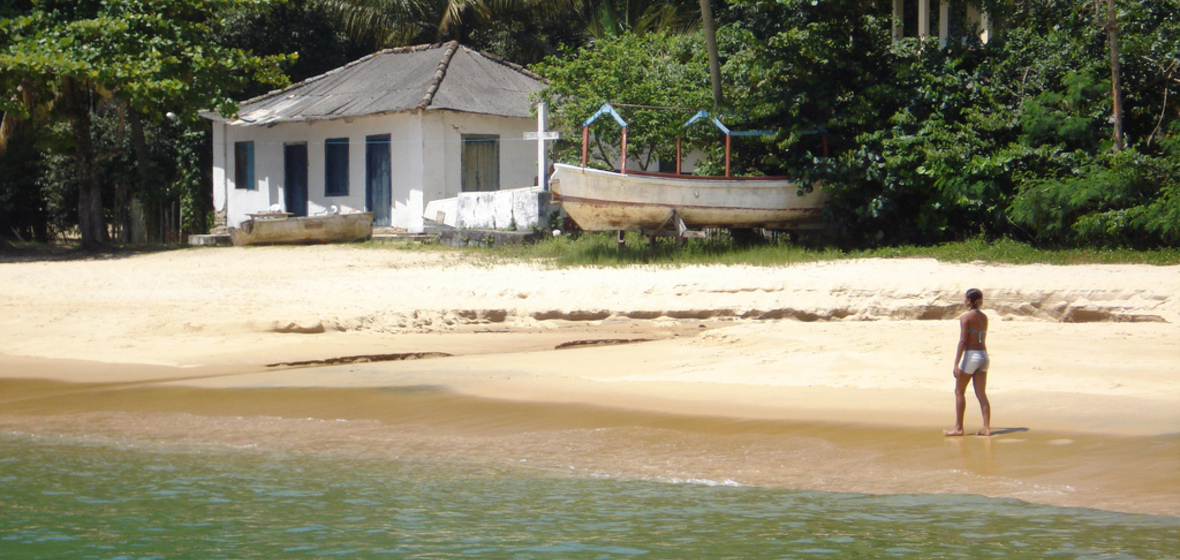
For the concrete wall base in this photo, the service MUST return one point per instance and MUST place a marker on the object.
(512, 209)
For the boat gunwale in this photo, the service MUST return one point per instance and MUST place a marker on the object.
(677, 177)
(598, 201)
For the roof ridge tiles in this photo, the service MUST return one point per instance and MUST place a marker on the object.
(439, 74)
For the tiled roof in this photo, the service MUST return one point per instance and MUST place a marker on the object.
(426, 77)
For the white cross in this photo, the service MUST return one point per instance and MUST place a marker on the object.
(541, 135)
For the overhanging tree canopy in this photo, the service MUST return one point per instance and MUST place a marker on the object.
(155, 56)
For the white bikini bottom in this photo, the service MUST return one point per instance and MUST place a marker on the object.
(974, 361)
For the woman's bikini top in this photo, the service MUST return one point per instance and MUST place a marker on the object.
(981, 333)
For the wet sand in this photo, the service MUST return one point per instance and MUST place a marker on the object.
(831, 376)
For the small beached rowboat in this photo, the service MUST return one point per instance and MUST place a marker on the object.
(280, 228)
(606, 200)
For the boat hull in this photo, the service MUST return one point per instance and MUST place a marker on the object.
(340, 228)
(603, 200)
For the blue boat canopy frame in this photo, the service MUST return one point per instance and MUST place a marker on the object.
(608, 109)
(729, 134)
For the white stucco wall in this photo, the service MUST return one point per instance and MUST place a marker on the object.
(426, 161)
(219, 158)
(518, 157)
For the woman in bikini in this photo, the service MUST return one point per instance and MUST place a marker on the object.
(971, 363)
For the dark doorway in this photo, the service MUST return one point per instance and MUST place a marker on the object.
(378, 199)
(481, 162)
(295, 178)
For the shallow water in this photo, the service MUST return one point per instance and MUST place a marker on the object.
(112, 498)
(1130, 474)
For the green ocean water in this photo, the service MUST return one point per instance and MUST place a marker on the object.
(80, 497)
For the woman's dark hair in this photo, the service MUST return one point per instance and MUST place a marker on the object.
(974, 294)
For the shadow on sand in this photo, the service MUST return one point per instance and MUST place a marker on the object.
(42, 252)
(1005, 431)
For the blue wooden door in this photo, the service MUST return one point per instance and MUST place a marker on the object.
(295, 178)
(378, 196)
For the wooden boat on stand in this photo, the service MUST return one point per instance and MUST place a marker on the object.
(677, 205)
(281, 228)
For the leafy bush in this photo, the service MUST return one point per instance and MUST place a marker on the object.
(1124, 198)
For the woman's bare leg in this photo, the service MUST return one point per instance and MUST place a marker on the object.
(961, 382)
(985, 406)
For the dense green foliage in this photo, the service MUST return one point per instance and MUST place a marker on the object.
(1008, 138)
(1013, 138)
(301, 28)
(148, 57)
(920, 142)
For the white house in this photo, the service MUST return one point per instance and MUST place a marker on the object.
(949, 19)
(387, 133)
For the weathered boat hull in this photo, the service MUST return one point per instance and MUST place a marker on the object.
(341, 228)
(604, 200)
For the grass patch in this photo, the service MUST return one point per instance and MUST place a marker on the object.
(600, 249)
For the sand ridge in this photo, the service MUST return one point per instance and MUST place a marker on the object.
(324, 288)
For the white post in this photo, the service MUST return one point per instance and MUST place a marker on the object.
(541, 135)
(944, 22)
(542, 126)
(898, 20)
(923, 18)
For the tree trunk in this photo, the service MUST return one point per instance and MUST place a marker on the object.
(141, 233)
(1116, 70)
(91, 224)
(714, 56)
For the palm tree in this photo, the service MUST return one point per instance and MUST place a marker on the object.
(395, 23)
(378, 24)
(612, 17)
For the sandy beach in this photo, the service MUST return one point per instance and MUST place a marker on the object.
(818, 376)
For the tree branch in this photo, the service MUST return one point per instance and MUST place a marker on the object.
(1160, 121)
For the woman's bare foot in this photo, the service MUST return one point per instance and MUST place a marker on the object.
(984, 432)
(955, 432)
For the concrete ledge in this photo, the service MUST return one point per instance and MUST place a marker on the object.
(485, 238)
(402, 236)
(210, 240)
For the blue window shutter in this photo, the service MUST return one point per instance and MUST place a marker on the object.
(336, 167)
(251, 183)
(244, 166)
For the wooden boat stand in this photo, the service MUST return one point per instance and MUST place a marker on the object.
(672, 226)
